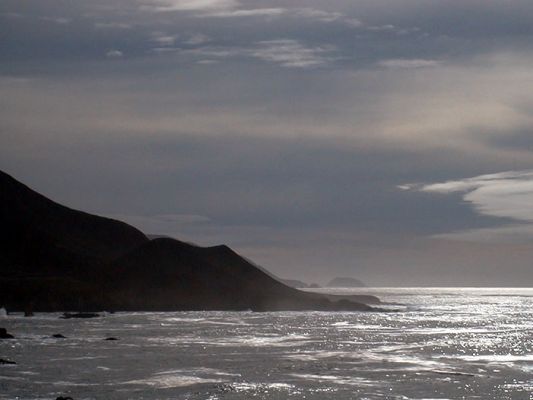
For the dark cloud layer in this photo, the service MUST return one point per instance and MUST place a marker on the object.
(285, 130)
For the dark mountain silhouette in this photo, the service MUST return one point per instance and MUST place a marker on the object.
(47, 238)
(55, 258)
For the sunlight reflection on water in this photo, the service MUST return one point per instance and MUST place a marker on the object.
(443, 344)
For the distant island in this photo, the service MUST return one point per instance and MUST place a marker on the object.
(345, 282)
(53, 258)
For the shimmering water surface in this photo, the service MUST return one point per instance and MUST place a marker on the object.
(441, 344)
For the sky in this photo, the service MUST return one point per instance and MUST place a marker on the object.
(390, 141)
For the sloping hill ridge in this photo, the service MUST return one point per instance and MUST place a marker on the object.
(39, 236)
(53, 258)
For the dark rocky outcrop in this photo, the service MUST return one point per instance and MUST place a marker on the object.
(82, 315)
(7, 362)
(5, 335)
(57, 258)
(363, 298)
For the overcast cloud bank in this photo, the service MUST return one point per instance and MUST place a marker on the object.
(285, 130)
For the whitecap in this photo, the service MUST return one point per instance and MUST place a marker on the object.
(497, 358)
(340, 380)
(166, 381)
(253, 387)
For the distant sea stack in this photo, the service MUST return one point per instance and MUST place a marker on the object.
(59, 259)
(345, 282)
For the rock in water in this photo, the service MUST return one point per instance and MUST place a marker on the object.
(80, 315)
(28, 311)
(5, 335)
(7, 362)
(111, 338)
(58, 336)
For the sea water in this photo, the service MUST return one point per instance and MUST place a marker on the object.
(436, 344)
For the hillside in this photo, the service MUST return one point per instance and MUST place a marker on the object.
(41, 237)
(56, 258)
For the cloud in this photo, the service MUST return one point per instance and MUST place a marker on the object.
(57, 20)
(214, 52)
(320, 15)
(382, 28)
(196, 39)
(207, 62)
(505, 195)
(112, 25)
(212, 8)
(166, 43)
(291, 53)
(163, 39)
(408, 63)
(235, 9)
(464, 104)
(390, 29)
(353, 22)
(325, 16)
(284, 52)
(190, 5)
(254, 12)
(114, 54)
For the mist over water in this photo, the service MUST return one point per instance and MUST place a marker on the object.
(445, 343)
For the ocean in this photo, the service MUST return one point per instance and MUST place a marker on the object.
(435, 343)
